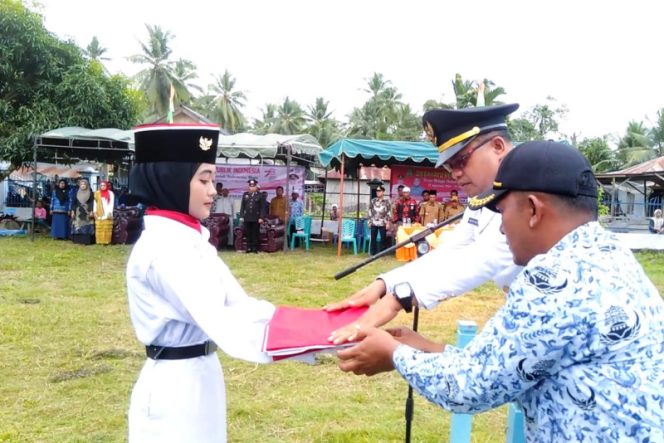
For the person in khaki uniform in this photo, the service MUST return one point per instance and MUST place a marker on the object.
(278, 205)
(453, 207)
(431, 212)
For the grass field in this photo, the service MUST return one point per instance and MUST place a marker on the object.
(70, 358)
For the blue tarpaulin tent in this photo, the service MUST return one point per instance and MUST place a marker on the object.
(378, 153)
(347, 155)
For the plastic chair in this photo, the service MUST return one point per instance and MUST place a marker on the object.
(348, 233)
(366, 247)
(302, 230)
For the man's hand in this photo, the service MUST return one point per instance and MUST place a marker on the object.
(371, 356)
(377, 315)
(364, 297)
(411, 338)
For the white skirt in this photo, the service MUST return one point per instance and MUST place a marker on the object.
(179, 401)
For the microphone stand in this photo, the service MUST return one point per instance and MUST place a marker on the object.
(412, 239)
(415, 238)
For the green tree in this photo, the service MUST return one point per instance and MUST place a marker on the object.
(46, 83)
(290, 118)
(159, 76)
(598, 153)
(635, 146)
(546, 118)
(95, 51)
(657, 133)
(265, 124)
(522, 130)
(321, 124)
(185, 72)
(227, 103)
(380, 116)
(465, 92)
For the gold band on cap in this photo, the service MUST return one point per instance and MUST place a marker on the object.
(475, 202)
(459, 138)
(497, 185)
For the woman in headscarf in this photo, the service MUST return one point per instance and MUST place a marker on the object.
(183, 300)
(103, 210)
(656, 224)
(82, 215)
(60, 207)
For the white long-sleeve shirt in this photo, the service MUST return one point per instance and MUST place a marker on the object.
(474, 253)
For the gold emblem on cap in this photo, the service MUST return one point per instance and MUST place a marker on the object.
(428, 129)
(205, 143)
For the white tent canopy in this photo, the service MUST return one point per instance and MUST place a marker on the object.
(266, 146)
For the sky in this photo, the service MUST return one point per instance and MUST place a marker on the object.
(601, 59)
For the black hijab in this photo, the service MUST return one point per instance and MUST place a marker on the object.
(164, 185)
(62, 194)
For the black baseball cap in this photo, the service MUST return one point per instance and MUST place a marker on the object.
(450, 130)
(540, 166)
(252, 182)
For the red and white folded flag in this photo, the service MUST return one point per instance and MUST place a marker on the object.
(295, 332)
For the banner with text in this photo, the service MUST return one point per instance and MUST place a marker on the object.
(419, 179)
(235, 177)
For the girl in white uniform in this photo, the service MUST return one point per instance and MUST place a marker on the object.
(183, 300)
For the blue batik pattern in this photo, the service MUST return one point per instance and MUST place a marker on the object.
(579, 344)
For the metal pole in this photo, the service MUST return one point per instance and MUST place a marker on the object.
(288, 196)
(341, 204)
(410, 405)
(34, 186)
(322, 220)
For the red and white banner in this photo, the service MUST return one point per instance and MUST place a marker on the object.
(235, 177)
(419, 179)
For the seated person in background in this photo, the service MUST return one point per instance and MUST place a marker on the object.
(656, 225)
(453, 207)
(278, 205)
(431, 212)
(577, 343)
(334, 212)
(40, 216)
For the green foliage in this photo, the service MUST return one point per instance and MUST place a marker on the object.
(226, 103)
(321, 124)
(657, 133)
(46, 83)
(521, 130)
(598, 153)
(635, 146)
(290, 118)
(602, 208)
(384, 116)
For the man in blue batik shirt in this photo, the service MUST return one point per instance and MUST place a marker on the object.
(579, 343)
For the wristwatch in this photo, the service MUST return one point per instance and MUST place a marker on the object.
(404, 294)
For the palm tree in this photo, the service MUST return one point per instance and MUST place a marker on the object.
(321, 124)
(185, 72)
(266, 123)
(290, 118)
(657, 133)
(227, 102)
(95, 51)
(491, 93)
(636, 146)
(465, 92)
(157, 79)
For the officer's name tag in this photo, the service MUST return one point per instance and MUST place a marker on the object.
(473, 221)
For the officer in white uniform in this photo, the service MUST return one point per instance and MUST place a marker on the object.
(183, 300)
(471, 142)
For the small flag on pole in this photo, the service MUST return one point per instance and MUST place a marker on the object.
(171, 106)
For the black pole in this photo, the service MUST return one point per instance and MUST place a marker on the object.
(410, 406)
(412, 239)
(34, 186)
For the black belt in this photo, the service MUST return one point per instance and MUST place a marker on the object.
(180, 353)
